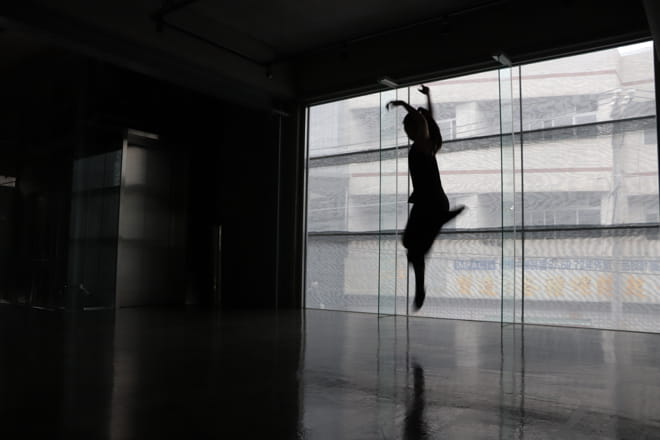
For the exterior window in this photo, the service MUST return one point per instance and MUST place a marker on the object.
(589, 170)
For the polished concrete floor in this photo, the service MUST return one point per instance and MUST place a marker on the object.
(185, 373)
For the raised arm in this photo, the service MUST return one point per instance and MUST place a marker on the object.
(425, 91)
(399, 103)
(434, 130)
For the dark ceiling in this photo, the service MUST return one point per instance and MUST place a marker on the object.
(259, 50)
(294, 27)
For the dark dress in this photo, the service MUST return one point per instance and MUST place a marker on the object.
(430, 209)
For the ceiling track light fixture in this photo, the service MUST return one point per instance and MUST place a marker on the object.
(502, 58)
(387, 82)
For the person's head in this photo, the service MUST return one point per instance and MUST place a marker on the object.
(415, 126)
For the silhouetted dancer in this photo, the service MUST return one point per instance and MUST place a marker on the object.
(430, 209)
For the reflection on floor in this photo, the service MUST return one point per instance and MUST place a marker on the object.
(175, 373)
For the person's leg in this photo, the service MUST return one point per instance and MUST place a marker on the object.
(418, 265)
(424, 225)
(417, 239)
(452, 214)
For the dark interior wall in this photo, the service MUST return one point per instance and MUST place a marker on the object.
(60, 107)
(38, 131)
(232, 175)
(232, 178)
(248, 205)
(465, 41)
(7, 234)
(204, 209)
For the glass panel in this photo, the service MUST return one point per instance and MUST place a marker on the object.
(463, 277)
(467, 112)
(464, 107)
(357, 193)
(403, 189)
(518, 195)
(151, 224)
(463, 269)
(345, 126)
(509, 224)
(388, 204)
(93, 231)
(594, 87)
(606, 175)
(344, 196)
(593, 278)
(342, 272)
(597, 167)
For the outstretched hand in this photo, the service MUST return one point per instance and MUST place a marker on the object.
(424, 90)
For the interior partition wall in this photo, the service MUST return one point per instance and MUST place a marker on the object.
(151, 223)
(127, 227)
(557, 164)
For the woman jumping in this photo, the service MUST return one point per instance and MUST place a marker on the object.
(430, 210)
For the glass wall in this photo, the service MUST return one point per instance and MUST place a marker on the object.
(93, 231)
(591, 190)
(586, 196)
(358, 189)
